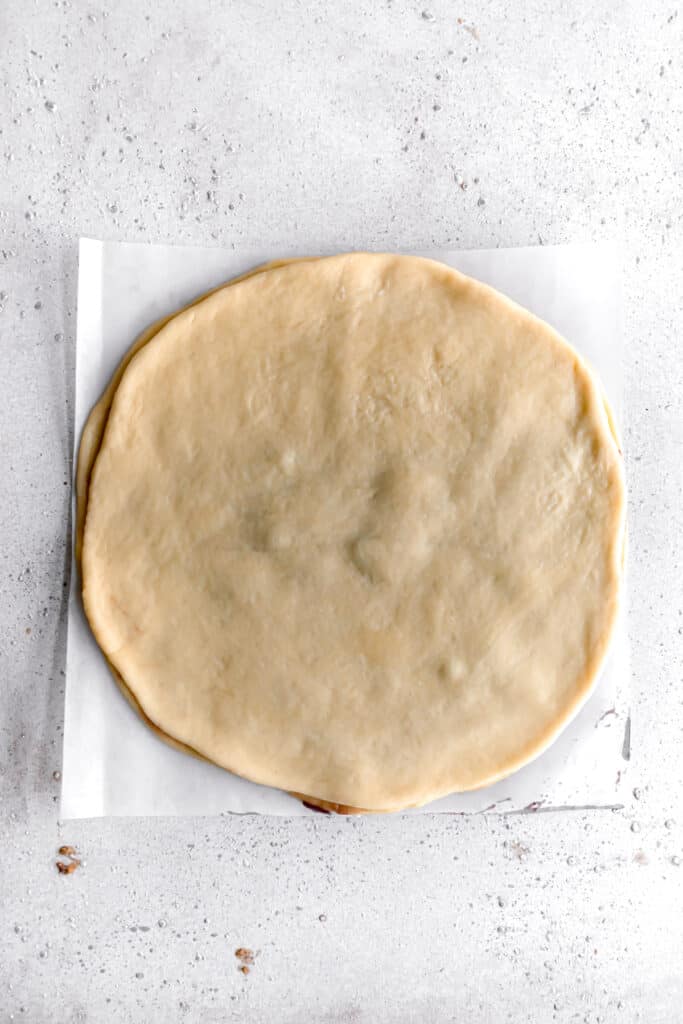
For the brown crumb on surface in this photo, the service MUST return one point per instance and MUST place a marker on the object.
(246, 958)
(67, 869)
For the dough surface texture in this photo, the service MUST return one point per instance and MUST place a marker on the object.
(354, 529)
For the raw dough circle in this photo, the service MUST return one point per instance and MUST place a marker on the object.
(355, 530)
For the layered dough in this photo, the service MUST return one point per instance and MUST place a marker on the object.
(354, 529)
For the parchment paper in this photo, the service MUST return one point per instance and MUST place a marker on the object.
(112, 763)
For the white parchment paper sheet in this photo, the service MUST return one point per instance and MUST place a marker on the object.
(112, 763)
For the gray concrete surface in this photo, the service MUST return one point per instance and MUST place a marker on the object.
(321, 124)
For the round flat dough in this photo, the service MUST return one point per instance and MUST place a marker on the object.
(355, 529)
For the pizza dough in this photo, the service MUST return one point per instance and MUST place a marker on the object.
(354, 529)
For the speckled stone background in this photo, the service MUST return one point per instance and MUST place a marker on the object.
(315, 124)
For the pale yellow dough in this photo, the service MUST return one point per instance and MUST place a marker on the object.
(355, 530)
(91, 438)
